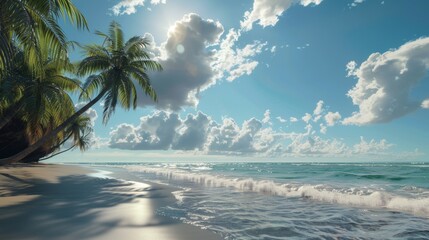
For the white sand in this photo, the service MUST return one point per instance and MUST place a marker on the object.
(44, 201)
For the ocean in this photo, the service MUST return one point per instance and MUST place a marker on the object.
(296, 200)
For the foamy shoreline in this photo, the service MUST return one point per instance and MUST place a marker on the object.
(50, 201)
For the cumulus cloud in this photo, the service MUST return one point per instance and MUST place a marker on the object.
(319, 108)
(267, 12)
(200, 134)
(351, 68)
(193, 132)
(305, 3)
(267, 116)
(194, 57)
(425, 104)
(281, 120)
(197, 132)
(186, 62)
(293, 119)
(130, 6)
(385, 81)
(371, 147)
(306, 118)
(332, 117)
(308, 144)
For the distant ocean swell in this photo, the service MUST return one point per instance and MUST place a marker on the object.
(363, 197)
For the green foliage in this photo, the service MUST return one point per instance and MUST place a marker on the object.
(31, 23)
(35, 91)
(117, 67)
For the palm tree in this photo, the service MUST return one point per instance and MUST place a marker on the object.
(37, 99)
(114, 69)
(78, 135)
(36, 106)
(28, 23)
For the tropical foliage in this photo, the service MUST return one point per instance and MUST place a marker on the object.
(38, 119)
(30, 23)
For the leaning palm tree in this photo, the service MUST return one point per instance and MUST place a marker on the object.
(37, 99)
(115, 69)
(77, 135)
(30, 22)
(32, 105)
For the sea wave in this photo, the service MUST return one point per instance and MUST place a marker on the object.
(360, 197)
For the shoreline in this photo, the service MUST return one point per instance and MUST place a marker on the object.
(56, 201)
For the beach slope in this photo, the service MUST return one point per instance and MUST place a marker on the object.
(44, 201)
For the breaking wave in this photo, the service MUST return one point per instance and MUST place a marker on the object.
(363, 197)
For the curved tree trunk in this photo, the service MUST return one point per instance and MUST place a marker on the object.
(19, 156)
(55, 154)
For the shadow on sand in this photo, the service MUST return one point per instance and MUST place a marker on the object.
(71, 207)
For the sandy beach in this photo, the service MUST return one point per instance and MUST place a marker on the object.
(48, 201)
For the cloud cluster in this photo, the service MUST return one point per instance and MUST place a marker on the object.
(164, 131)
(130, 6)
(232, 62)
(199, 133)
(371, 147)
(267, 12)
(319, 112)
(194, 57)
(385, 82)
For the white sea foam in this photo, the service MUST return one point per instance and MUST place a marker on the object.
(350, 196)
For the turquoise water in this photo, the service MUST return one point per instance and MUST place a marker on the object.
(298, 200)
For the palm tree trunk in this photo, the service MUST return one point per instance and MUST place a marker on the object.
(21, 155)
(55, 154)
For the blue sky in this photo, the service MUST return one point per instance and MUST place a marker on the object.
(286, 80)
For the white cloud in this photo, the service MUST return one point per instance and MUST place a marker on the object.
(331, 118)
(323, 128)
(267, 116)
(273, 49)
(385, 81)
(194, 58)
(232, 62)
(319, 108)
(305, 3)
(130, 6)
(308, 145)
(186, 72)
(267, 12)
(193, 132)
(425, 104)
(355, 3)
(306, 118)
(282, 120)
(200, 134)
(293, 119)
(371, 147)
(155, 132)
(351, 68)
(163, 131)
